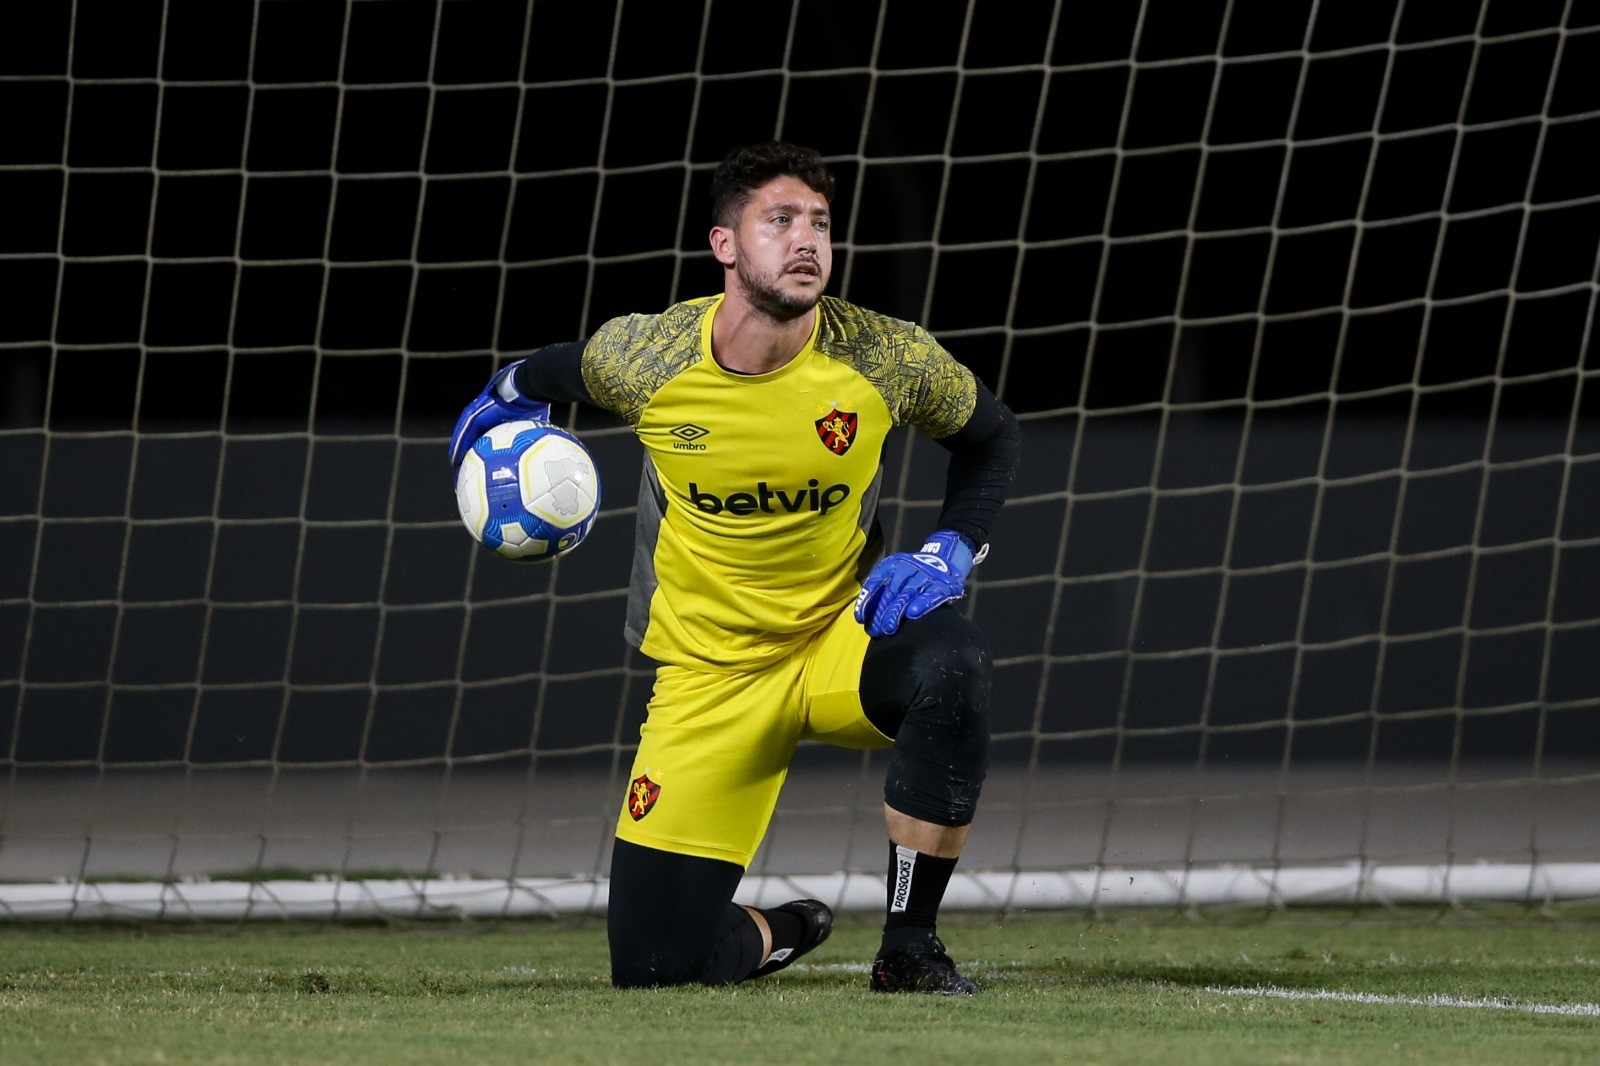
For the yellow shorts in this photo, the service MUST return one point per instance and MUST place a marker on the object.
(715, 748)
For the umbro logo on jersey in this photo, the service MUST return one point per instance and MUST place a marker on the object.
(687, 435)
(837, 430)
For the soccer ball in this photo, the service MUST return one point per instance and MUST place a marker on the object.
(528, 491)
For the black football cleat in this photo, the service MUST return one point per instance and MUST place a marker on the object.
(919, 965)
(818, 919)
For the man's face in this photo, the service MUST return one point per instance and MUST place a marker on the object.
(782, 249)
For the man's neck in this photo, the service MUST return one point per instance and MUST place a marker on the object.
(748, 342)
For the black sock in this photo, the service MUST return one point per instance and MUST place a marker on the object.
(916, 888)
(787, 929)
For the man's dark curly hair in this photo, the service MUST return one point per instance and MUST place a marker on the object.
(747, 169)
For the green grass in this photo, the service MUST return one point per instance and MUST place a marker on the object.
(1057, 988)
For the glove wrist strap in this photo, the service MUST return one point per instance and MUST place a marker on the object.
(505, 386)
(955, 550)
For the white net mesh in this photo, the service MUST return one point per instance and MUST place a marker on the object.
(1293, 599)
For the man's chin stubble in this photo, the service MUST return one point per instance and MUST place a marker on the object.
(777, 305)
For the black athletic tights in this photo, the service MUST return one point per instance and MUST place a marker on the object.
(670, 920)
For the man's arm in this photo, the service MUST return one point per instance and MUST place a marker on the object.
(522, 390)
(554, 373)
(983, 462)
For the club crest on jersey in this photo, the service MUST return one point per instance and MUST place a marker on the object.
(837, 430)
(642, 795)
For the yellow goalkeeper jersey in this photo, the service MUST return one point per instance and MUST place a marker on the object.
(760, 491)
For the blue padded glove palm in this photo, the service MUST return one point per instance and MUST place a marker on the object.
(910, 584)
(498, 402)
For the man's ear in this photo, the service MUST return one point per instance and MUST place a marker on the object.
(722, 245)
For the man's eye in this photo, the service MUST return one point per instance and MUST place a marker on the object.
(821, 223)
(782, 220)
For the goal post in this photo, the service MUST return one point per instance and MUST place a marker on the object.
(1293, 600)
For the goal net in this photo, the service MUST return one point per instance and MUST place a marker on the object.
(1295, 599)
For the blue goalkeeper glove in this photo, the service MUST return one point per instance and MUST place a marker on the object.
(498, 402)
(910, 584)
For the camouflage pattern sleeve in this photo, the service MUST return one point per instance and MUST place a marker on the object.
(942, 392)
(920, 382)
(630, 357)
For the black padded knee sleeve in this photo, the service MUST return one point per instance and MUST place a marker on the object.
(737, 951)
(669, 919)
(927, 686)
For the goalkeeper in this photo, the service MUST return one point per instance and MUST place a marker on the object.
(761, 590)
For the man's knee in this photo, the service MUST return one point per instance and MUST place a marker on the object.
(928, 687)
(669, 920)
(732, 953)
(936, 668)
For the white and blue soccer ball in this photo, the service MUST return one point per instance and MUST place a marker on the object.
(528, 491)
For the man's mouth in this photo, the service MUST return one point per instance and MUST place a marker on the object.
(806, 267)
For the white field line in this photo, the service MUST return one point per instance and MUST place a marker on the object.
(1591, 1010)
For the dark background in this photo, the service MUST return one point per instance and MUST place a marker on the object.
(1298, 317)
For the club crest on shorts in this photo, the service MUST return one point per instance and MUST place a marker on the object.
(642, 794)
(837, 429)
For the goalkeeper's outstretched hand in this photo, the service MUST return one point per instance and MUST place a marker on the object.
(910, 584)
(498, 402)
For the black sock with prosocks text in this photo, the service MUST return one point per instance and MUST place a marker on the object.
(917, 882)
